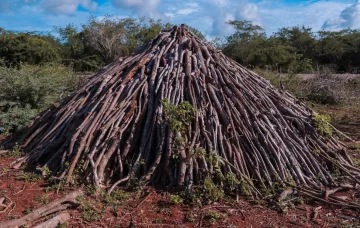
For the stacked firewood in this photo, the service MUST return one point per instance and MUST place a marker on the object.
(116, 128)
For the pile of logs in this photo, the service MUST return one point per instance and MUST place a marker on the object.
(116, 129)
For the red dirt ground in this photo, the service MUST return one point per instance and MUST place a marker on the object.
(153, 209)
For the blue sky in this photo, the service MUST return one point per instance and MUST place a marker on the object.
(209, 16)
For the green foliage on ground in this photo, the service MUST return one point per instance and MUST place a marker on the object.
(322, 123)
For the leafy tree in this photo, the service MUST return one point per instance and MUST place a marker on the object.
(31, 48)
(245, 45)
(245, 31)
(148, 29)
(279, 56)
(301, 39)
(76, 52)
(302, 42)
(340, 49)
(196, 32)
(112, 37)
(289, 50)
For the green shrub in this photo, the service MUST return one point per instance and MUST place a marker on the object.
(178, 116)
(211, 191)
(15, 117)
(29, 47)
(322, 123)
(176, 199)
(26, 91)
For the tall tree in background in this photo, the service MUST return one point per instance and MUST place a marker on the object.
(111, 37)
(340, 50)
(303, 43)
(76, 52)
(32, 48)
(102, 40)
(245, 44)
(302, 39)
(249, 46)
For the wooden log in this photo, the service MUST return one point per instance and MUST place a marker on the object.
(54, 222)
(60, 204)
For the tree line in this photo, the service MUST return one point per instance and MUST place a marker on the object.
(296, 49)
(84, 48)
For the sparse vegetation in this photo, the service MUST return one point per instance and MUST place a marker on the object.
(322, 123)
(43, 199)
(28, 177)
(213, 216)
(178, 116)
(88, 210)
(16, 151)
(176, 199)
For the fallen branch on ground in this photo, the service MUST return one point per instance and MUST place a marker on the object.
(58, 205)
(55, 221)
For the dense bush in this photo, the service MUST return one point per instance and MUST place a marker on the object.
(293, 50)
(26, 91)
(30, 48)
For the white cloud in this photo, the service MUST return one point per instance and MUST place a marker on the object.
(249, 12)
(348, 18)
(141, 7)
(209, 16)
(275, 15)
(53, 6)
(192, 4)
(185, 8)
(170, 15)
(186, 11)
(67, 6)
(220, 26)
(8, 5)
(232, 10)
